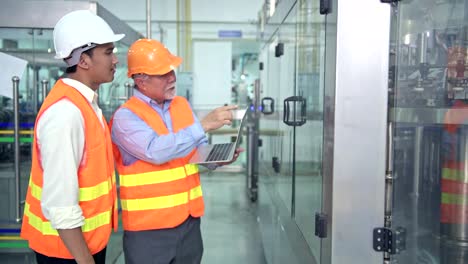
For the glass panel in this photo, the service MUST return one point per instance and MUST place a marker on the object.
(309, 137)
(23, 44)
(429, 106)
(33, 46)
(115, 93)
(270, 152)
(287, 74)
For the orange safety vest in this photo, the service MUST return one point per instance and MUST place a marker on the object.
(159, 196)
(454, 182)
(96, 180)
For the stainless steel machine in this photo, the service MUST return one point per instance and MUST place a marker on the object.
(428, 92)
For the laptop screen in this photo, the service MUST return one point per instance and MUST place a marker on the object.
(242, 115)
(221, 152)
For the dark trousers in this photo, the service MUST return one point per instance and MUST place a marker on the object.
(179, 245)
(99, 258)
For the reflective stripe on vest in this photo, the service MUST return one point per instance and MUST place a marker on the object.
(152, 177)
(46, 228)
(86, 193)
(161, 201)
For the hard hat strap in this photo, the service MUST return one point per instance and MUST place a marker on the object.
(74, 57)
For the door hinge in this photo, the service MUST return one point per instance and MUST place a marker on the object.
(325, 7)
(275, 163)
(320, 225)
(279, 50)
(389, 240)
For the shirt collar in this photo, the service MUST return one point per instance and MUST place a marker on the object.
(148, 100)
(87, 92)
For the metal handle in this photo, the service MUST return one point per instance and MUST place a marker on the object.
(271, 106)
(294, 120)
(16, 80)
(45, 89)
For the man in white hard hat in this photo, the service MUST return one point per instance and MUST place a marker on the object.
(71, 205)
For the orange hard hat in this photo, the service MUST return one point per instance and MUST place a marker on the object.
(150, 57)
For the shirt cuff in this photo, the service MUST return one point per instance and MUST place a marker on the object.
(66, 217)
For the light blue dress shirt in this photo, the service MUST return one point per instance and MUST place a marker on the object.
(137, 141)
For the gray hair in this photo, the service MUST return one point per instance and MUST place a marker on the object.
(141, 76)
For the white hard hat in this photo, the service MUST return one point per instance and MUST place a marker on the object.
(81, 29)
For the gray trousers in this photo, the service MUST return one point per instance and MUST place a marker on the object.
(179, 245)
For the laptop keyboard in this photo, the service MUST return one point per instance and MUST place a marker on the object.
(220, 152)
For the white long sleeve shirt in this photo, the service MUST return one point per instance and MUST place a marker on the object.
(61, 139)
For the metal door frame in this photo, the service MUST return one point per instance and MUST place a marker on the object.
(356, 85)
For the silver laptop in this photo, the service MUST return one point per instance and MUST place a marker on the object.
(222, 152)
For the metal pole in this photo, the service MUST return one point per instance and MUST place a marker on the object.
(389, 177)
(252, 159)
(15, 80)
(388, 184)
(148, 19)
(35, 90)
(45, 88)
(423, 47)
(418, 137)
(253, 145)
(129, 89)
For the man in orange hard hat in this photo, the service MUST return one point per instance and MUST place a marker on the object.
(154, 134)
(70, 207)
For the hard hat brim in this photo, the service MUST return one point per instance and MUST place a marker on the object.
(176, 61)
